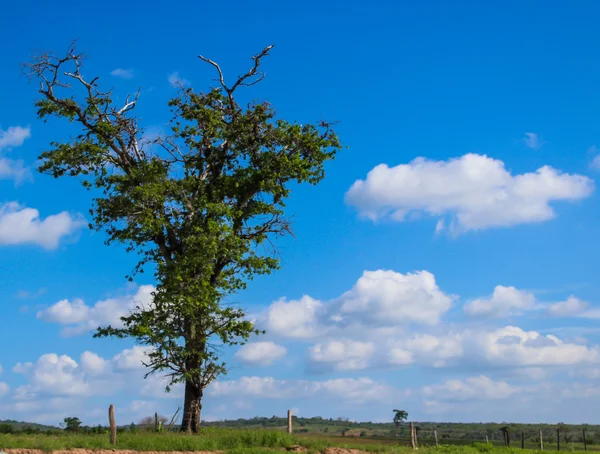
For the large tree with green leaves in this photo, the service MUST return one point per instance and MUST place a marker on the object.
(201, 204)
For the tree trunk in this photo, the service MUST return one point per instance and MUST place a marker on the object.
(192, 407)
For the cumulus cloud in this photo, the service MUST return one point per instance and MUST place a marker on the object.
(131, 359)
(473, 192)
(55, 375)
(122, 73)
(177, 81)
(504, 348)
(380, 298)
(469, 389)
(514, 347)
(343, 355)
(359, 390)
(14, 169)
(504, 301)
(570, 307)
(81, 318)
(94, 365)
(22, 225)
(293, 319)
(385, 350)
(260, 353)
(14, 136)
(369, 327)
(385, 297)
(532, 141)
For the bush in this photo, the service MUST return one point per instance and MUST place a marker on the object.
(6, 429)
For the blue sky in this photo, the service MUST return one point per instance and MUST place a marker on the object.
(446, 265)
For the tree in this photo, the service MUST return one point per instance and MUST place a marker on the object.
(399, 417)
(200, 204)
(71, 424)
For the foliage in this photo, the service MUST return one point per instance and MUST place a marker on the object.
(400, 416)
(71, 424)
(198, 204)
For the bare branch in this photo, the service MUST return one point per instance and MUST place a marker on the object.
(242, 80)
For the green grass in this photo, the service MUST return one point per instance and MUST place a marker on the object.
(237, 441)
(208, 440)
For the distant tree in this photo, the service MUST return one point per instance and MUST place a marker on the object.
(506, 435)
(71, 424)
(399, 417)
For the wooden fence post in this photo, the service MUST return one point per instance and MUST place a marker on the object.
(412, 435)
(558, 439)
(435, 436)
(541, 441)
(508, 438)
(487, 440)
(522, 440)
(113, 424)
(584, 441)
(416, 439)
(290, 429)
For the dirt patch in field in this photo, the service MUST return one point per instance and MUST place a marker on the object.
(123, 451)
(343, 451)
(295, 448)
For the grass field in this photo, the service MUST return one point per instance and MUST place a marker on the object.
(238, 441)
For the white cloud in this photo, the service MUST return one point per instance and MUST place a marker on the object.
(476, 192)
(359, 390)
(570, 307)
(343, 355)
(61, 376)
(93, 365)
(472, 388)
(176, 80)
(14, 169)
(381, 298)
(82, 318)
(53, 375)
(293, 319)
(122, 73)
(385, 298)
(22, 225)
(260, 353)
(595, 162)
(505, 301)
(11, 169)
(14, 136)
(431, 350)
(532, 141)
(131, 359)
(511, 347)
